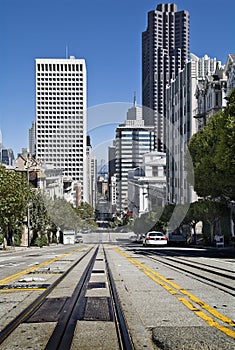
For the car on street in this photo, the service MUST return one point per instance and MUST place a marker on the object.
(176, 237)
(85, 230)
(78, 239)
(154, 238)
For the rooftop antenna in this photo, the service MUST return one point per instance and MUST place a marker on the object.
(134, 98)
(66, 51)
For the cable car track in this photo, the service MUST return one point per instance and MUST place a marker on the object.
(78, 307)
(207, 274)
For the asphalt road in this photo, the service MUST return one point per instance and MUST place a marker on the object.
(167, 304)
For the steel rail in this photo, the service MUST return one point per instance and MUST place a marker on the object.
(29, 310)
(63, 333)
(124, 338)
(215, 283)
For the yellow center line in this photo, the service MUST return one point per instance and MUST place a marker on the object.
(34, 268)
(166, 284)
(7, 290)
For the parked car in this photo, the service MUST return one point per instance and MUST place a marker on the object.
(154, 238)
(78, 239)
(138, 238)
(85, 230)
(176, 237)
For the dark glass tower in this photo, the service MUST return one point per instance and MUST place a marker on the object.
(165, 50)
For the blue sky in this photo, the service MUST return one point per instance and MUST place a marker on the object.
(107, 34)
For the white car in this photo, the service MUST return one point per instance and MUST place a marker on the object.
(154, 238)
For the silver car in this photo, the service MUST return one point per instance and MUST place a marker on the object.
(154, 238)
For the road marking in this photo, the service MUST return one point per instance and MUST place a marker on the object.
(20, 289)
(169, 285)
(34, 268)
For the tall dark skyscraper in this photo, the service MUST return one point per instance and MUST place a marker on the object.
(165, 50)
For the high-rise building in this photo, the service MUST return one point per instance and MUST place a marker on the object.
(6, 154)
(32, 139)
(133, 139)
(183, 108)
(165, 50)
(61, 102)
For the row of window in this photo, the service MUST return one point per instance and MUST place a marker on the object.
(58, 74)
(55, 67)
(61, 87)
(46, 99)
(55, 105)
(78, 93)
(59, 81)
(70, 117)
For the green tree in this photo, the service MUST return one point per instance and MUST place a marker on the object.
(86, 212)
(193, 216)
(39, 220)
(213, 154)
(225, 152)
(62, 214)
(15, 194)
(211, 212)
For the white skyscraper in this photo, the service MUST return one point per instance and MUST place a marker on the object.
(61, 103)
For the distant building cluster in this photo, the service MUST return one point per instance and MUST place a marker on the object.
(180, 92)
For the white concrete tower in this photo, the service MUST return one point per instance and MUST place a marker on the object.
(61, 125)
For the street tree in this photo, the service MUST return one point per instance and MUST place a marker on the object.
(15, 194)
(86, 213)
(40, 222)
(212, 150)
(62, 214)
(211, 212)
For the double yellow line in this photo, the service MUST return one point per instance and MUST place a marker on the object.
(176, 290)
(18, 275)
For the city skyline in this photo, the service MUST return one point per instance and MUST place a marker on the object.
(110, 43)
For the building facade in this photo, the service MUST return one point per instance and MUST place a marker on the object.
(210, 95)
(182, 104)
(230, 72)
(32, 139)
(61, 102)
(165, 50)
(180, 127)
(147, 184)
(133, 139)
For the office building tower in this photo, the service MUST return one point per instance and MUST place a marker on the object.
(32, 139)
(92, 171)
(7, 156)
(165, 50)
(61, 124)
(133, 139)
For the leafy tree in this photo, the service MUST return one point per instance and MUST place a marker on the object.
(211, 212)
(225, 153)
(62, 214)
(86, 212)
(213, 154)
(15, 194)
(192, 217)
(39, 220)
